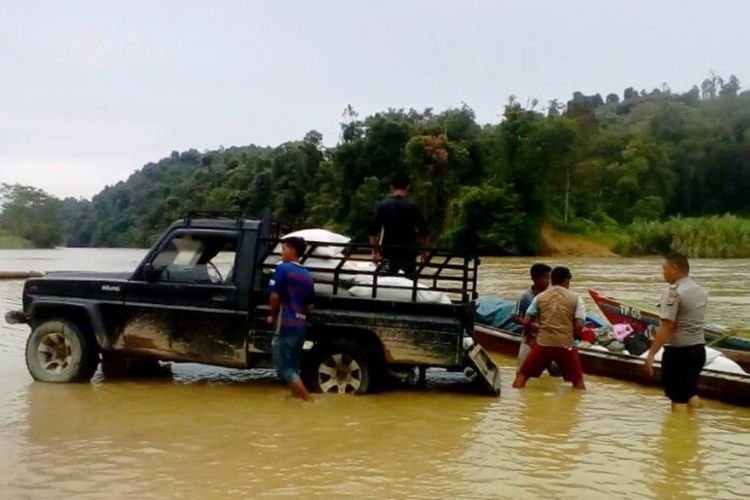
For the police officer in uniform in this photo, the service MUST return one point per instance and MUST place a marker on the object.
(682, 309)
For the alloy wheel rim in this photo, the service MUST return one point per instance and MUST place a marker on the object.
(339, 373)
(54, 353)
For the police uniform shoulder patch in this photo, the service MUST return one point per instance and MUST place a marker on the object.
(672, 296)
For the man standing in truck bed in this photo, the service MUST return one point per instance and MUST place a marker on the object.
(398, 226)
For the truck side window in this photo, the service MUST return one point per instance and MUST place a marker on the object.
(204, 258)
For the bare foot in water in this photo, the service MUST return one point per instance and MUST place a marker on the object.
(520, 381)
(300, 391)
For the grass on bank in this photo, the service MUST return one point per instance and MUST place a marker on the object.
(721, 237)
(11, 242)
(724, 237)
(603, 232)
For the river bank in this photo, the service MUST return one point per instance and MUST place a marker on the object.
(556, 243)
(713, 237)
(12, 242)
(19, 275)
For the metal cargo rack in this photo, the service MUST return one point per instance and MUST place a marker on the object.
(440, 271)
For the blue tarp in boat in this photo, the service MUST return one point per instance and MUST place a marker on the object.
(497, 312)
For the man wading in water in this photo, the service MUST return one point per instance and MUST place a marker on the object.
(682, 308)
(292, 293)
(398, 226)
(540, 282)
(560, 314)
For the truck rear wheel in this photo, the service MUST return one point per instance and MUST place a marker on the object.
(58, 351)
(341, 367)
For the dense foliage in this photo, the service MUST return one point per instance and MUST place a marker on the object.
(29, 215)
(592, 165)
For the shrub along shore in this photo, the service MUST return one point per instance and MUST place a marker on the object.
(725, 236)
(9, 241)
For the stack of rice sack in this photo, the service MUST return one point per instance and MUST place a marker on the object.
(328, 254)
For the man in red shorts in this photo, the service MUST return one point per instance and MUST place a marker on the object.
(560, 314)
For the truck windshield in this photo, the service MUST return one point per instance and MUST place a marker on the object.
(203, 258)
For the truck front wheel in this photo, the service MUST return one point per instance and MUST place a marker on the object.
(341, 367)
(58, 351)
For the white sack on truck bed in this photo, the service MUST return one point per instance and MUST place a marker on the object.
(322, 257)
(363, 288)
(320, 236)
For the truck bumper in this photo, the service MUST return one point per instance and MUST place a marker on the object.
(15, 317)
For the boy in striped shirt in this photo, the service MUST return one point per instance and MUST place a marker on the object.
(292, 293)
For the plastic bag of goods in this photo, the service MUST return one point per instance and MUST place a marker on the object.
(321, 236)
(363, 288)
(322, 270)
(657, 356)
(314, 236)
(724, 364)
(711, 355)
(621, 330)
(326, 290)
(325, 257)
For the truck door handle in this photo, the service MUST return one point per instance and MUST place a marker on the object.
(219, 297)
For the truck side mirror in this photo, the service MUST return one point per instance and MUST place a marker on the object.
(150, 272)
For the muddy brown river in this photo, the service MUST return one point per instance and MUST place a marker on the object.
(208, 432)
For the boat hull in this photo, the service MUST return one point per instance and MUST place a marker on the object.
(735, 348)
(727, 387)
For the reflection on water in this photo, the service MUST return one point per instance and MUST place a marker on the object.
(681, 465)
(209, 432)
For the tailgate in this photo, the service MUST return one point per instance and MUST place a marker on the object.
(487, 370)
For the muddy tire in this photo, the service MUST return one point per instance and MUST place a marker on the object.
(59, 351)
(340, 367)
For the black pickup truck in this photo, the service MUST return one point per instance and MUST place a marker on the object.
(200, 295)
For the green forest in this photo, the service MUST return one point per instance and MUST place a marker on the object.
(647, 171)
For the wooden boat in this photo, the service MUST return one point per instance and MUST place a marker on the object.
(735, 348)
(728, 387)
(19, 275)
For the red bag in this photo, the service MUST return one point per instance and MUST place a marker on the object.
(587, 335)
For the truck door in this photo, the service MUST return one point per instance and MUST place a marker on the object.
(185, 304)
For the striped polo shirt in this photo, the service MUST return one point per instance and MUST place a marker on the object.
(294, 285)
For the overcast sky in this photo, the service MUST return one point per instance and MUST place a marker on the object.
(91, 91)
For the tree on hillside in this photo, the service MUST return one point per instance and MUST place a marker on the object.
(32, 214)
(731, 88)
